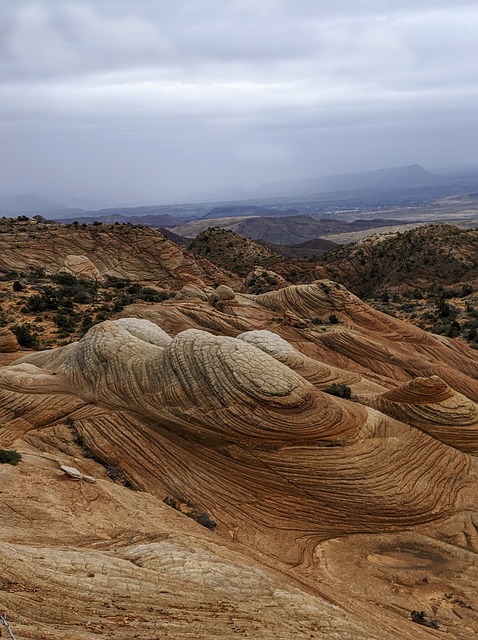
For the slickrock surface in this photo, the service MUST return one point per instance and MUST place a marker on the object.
(431, 405)
(335, 518)
(317, 373)
(81, 267)
(123, 251)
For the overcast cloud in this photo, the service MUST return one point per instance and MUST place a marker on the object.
(150, 101)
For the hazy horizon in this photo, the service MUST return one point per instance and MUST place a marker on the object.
(157, 102)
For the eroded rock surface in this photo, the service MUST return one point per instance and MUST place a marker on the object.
(323, 506)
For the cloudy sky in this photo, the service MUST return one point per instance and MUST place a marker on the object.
(150, 101)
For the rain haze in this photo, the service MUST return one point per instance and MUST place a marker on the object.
(151, 102)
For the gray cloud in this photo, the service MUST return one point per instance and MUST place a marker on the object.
(152, 100)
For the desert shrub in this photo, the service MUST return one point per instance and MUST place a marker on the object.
(66, 322)
(171, 502)
(420, 617)
(25, 336)
(333, 319)
(152, 295)
(443, 308)
(36, 303)
(205, 520)
(340, 390)
(17, 286)
(65, 279)
(37, 273)
(472, 333)
(86, 323)
(135, 288)
(116, 283)
(114, 473)
(10, 275)
(454, 329)
(9, 457)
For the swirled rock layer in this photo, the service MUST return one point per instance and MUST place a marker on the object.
(257, 438)
(434, 407)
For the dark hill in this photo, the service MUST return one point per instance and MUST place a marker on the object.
(231, 250)
(298, 229)
(422, 258)
(237, 210)
(308, 249)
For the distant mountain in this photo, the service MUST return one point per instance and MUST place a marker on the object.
(299, 229)
(174, 237)
(308, 249)
(146, 220)
(25, 204)
(410, 176)
(248, 210)
(285, 230)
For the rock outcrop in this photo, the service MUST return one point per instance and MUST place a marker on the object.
(123, 251)
(8, 341)
(276, 438)
(335, 518)
(81, 267)
(434, 407)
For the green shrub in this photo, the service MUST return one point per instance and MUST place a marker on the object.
(9, 457)
(17, 286)
(420, 617)
(340, 390)
(25, 336)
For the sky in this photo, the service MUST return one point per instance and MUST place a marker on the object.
(154, 101)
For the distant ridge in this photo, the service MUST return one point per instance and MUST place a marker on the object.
(27, 204)
(408, 176)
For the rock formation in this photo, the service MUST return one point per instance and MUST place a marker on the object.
(434, 407)
(333, 517)
(8, 341)
(123, 251)
(81, 267)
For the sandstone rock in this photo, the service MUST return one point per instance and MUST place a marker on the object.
(190, 292)
(434, 407)
(317, 373)
(8, 341)
(222, 293)
(223, 398)
(73, 473)
(145, 330)
(81, 267)
(129, 252)
(363, 513)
